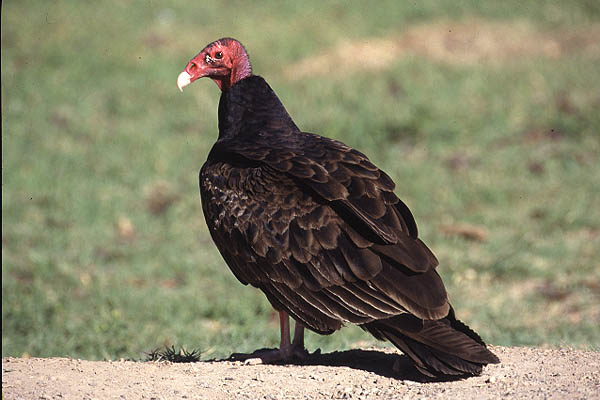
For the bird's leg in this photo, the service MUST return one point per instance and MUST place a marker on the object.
(284, 326)
(298, 343)
(298, 336)
(287, 350)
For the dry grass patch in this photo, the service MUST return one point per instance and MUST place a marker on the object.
(458, 43)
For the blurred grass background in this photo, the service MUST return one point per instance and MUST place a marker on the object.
(485, 113)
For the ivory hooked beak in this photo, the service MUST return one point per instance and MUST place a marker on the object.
(183, 80)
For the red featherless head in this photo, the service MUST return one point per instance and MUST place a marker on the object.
(225, 61)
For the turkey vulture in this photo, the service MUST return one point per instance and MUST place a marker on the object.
(317, 227)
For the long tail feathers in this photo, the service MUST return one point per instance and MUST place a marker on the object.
(439, 348)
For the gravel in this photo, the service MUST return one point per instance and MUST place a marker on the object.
(525, 373)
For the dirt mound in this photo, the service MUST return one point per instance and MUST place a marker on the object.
(357, 374)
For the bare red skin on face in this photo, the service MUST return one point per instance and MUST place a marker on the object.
(225, 61)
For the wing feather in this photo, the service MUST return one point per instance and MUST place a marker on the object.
(291, 239)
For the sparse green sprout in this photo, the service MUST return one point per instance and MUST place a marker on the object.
(176, 356)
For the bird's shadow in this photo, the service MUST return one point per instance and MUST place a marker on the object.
(378, 362)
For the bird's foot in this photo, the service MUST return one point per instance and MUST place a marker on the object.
(283, 354)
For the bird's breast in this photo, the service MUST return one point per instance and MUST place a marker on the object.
(257, 206)
(234, 197)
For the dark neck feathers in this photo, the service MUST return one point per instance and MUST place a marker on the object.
(250, 107)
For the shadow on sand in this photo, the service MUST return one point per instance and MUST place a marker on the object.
(383, 364)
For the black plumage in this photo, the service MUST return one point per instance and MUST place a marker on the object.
(317, 227)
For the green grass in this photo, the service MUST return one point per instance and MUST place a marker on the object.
(105, 253)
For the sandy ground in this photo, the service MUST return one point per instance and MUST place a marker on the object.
(525, 373)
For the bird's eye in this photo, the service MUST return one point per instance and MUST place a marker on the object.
(218, 55)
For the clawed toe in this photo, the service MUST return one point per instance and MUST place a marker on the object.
(284, 354)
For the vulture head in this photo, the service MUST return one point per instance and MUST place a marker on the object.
(225, 61)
